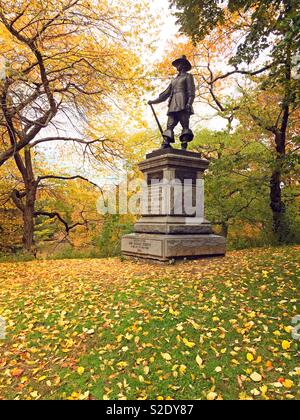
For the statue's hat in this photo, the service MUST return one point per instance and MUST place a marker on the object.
(184, 60)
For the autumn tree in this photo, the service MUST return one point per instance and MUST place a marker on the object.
(267, 45)
(10, 217)
(236, 182)
(67, 63)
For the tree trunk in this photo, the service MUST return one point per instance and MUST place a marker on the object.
(277, 206)
(280, 226)
(28, 229)
(28, 216)
(25, 200)
(225, 229)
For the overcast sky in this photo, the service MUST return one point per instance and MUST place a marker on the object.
(169, 28)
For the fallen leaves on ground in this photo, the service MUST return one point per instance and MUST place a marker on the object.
(110, 329)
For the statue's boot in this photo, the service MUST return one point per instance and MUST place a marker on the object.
(184, 145)
(169, 138)
(186, 136)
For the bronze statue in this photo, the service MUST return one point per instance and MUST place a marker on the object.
(181, 95)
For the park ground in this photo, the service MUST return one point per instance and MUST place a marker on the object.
(113, 329)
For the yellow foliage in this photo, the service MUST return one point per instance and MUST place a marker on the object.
(88, 51)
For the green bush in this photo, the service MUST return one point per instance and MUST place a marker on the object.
(114, 227)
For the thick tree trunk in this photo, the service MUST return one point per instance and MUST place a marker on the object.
(277, 206)
(25, 200)
(28, 229)
(280, 227)
(28, 217)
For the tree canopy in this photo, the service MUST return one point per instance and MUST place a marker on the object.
(260, 20)
(265, 48)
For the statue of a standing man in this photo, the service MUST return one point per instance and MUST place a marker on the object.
(181, 95)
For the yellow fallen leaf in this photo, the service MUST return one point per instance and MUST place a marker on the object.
(244, 397)
(188, 343)
(80, 370)
(199, 360)
(182, 369)
(256, 377)
(214, 299)
(173, 312)
(255, 392)
(288, 384)
(286, 345)
(166, 356)
(211, 396)
(122, 365)
(288, 330)
(75, 396)
(264, 390)
(250, 357)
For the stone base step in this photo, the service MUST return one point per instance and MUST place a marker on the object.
(168, 247)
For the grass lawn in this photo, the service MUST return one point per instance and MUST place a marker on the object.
(107, 329)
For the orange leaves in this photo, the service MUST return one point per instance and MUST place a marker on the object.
(175, 50)
(17, 372)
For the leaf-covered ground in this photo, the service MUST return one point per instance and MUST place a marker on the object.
(107, 329)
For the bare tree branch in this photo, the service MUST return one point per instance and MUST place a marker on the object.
(245, 72)
(67, 178)
(66, 139)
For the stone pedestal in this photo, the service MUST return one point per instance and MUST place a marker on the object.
(173, 224)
